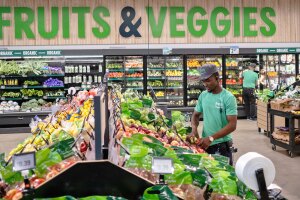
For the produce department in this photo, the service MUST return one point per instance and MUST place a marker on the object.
(149, 99)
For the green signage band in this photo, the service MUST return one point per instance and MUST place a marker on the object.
(26, 53)
(238, 21)
(277, 50)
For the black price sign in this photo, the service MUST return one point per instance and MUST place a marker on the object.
(24, 161)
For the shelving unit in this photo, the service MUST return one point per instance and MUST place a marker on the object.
(83, 73)
(280, 70)
(37, 79)
(291, 145)
(165, 75)
(194, 85)
(126, 70)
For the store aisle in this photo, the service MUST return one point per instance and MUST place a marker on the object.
(247, 138)
(11, 140)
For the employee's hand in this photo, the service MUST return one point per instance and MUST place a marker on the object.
(205, 142)
(192, 137)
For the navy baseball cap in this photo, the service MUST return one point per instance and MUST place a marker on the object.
(207, 71)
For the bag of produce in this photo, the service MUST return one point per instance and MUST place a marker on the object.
(159, 192)
(46, 158)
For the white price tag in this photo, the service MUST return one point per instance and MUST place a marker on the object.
(45, 97)
(2, 76)
(24, 75)
(2, 98)
(162, 165)
(234, 50)
(25, 98)
(25, 86)
(24, 161)
(44, 86)
(2, 87)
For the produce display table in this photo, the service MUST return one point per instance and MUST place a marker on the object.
(263, 118)
(289, 122)
(94, 178)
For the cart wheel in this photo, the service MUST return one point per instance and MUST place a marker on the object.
(291, 154)
(273, 147)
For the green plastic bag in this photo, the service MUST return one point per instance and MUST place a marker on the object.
(245, 192)
(159, 192)
(138, 151)
(46, 158)
(157, 149)
(141, 137)
(191, 160)
(200, 178)
(221, 158)
(58, 198)
(129, 142)
(180, 150)
(147, 102)
(170, 153)
(135, 114)
(139, 162)
(9, 176)
(180, 178)
(102, 198)
(224, 186)
(64, 148)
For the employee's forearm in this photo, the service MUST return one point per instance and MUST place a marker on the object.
(195, 122)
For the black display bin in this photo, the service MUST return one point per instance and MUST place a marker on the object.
(94, 178)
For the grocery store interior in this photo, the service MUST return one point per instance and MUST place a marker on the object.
(97, 99)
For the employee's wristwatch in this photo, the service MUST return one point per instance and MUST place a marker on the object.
(211, 139)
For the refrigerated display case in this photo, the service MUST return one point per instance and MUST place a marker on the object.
(165, 76)
(280, 70)
(235, 65)
(194, 85)
(126, 70)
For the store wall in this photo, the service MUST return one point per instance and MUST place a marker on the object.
(33, 22)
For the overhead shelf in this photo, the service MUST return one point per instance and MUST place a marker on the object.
(11, 99)
(156, 77)
(84, 73)
(133, 69)
(116, 70)
(24, 76)
(28, 87)
(156, 69)
(134, 79)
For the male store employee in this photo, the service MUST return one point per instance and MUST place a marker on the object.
(250, 81)
(219, 110)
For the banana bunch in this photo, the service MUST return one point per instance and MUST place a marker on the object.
(296, 112)
(193, 63)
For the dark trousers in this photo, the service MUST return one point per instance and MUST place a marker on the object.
(249, 99)
(223, 149)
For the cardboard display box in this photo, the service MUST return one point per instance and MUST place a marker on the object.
(285, 105)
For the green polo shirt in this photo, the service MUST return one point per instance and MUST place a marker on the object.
(249, 79)
(215, 108)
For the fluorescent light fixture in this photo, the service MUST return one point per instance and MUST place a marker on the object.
(84, 56)
(14, 57)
